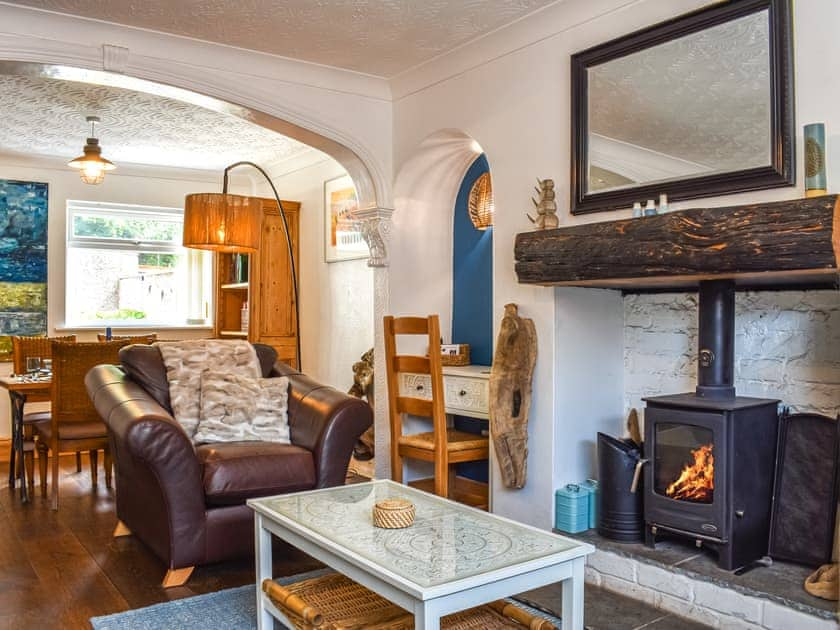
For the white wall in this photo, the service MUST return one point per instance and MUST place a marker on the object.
(336, 299)
(517, 107)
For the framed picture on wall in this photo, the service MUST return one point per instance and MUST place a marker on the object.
(23, 261)
(341, 240)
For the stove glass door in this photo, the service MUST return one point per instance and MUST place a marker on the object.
(684, 462)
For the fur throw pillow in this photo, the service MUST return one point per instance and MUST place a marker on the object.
(236, 408)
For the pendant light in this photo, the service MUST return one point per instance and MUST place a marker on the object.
(480, 204)
(92, 165)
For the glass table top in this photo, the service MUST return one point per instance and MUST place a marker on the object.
(447, 541)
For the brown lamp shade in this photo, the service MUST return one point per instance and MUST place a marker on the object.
(480, 203)
(222, 223)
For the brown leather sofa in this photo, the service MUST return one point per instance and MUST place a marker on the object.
(186, 502)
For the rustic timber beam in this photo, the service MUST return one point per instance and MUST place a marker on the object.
(783, 243)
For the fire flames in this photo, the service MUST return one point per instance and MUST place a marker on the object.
(697, 479)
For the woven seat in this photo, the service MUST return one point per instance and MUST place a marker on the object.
(455, 441)
(74, 424)
(335, 602)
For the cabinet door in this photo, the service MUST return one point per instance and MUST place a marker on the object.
(275, 322)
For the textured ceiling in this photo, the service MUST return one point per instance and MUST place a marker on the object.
(47, 117)
(379, 37)
(704, 97)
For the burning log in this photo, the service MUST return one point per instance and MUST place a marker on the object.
(696, 482)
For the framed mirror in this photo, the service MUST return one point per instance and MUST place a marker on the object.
(697, 106)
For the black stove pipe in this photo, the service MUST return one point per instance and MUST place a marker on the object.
(716, 360)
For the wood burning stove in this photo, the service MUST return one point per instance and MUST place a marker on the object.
(711, 454)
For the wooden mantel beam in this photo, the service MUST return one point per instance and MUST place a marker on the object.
(783, 243)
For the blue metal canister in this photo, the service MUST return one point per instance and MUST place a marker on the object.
(571, 509)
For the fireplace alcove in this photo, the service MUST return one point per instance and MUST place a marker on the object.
(780, 245)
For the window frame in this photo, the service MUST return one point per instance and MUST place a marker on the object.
(204, 260)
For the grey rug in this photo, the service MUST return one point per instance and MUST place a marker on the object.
(231, 609)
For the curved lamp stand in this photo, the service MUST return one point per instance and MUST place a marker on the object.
(230, 223)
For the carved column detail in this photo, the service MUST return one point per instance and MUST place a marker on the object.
(375, 226)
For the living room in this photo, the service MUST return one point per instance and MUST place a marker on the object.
(406, 122)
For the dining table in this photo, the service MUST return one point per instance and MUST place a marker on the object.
(20, 388)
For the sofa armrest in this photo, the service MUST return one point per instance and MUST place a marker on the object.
(159, 479)
(325, 421)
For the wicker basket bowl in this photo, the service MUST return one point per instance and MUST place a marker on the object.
(462, 358)
(393, 514)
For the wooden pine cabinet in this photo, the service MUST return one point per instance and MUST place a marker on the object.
(268, 289)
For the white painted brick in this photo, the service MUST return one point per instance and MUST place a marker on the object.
(628, 589)
(732, 623)
(682, 608)
(665, 581)
(613, 564)
(777, 617)
(727, 601)
(785, 345)
(592, 576)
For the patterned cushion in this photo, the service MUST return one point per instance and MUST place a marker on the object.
(236, 408)
(185, 361)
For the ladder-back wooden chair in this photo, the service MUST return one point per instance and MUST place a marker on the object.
(442, 446)
(23, 347)
(74, 424)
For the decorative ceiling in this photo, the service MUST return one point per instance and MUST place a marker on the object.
(383, 37)
(46, 117)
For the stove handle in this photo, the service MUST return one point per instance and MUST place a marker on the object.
(637, 474)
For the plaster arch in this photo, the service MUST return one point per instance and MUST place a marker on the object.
(419, 280)
(211, 92)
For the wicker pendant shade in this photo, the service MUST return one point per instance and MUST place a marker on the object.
(481, 206)
(222, 223)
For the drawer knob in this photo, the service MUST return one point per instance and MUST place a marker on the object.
(419, 388)
(463, 392)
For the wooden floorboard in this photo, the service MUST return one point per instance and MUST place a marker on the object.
(58, 569)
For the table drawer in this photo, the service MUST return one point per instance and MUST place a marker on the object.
(460, 393)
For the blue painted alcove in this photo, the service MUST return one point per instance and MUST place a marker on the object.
(472, 297)
(472, 275)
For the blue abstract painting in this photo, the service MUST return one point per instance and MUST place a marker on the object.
(23, 261)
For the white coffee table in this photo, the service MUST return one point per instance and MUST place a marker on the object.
(452, 558)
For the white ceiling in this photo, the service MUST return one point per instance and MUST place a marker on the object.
(378, 37)
(46, 117)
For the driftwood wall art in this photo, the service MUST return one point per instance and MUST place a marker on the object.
(510, 394)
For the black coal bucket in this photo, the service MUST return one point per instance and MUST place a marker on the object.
(620, 511)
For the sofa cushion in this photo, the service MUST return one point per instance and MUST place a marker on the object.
(235, 408)
(235, 471)
(144, 364)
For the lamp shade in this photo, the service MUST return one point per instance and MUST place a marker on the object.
(91, 164)
(222, 223)
(480, 203)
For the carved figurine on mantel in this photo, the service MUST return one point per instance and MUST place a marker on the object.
(363, 388)
(510, 394)
(546, 207)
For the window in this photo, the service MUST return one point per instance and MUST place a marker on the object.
(126, 267)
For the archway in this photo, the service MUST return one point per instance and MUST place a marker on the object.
(421, 264)
(372, 185)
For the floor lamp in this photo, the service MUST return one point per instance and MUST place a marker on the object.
(222, 222)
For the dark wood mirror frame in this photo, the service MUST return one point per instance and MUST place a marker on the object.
(781, 171)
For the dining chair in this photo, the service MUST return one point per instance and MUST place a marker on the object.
(23, 347)
(74, 425)
(142, 339)
(442, 446)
